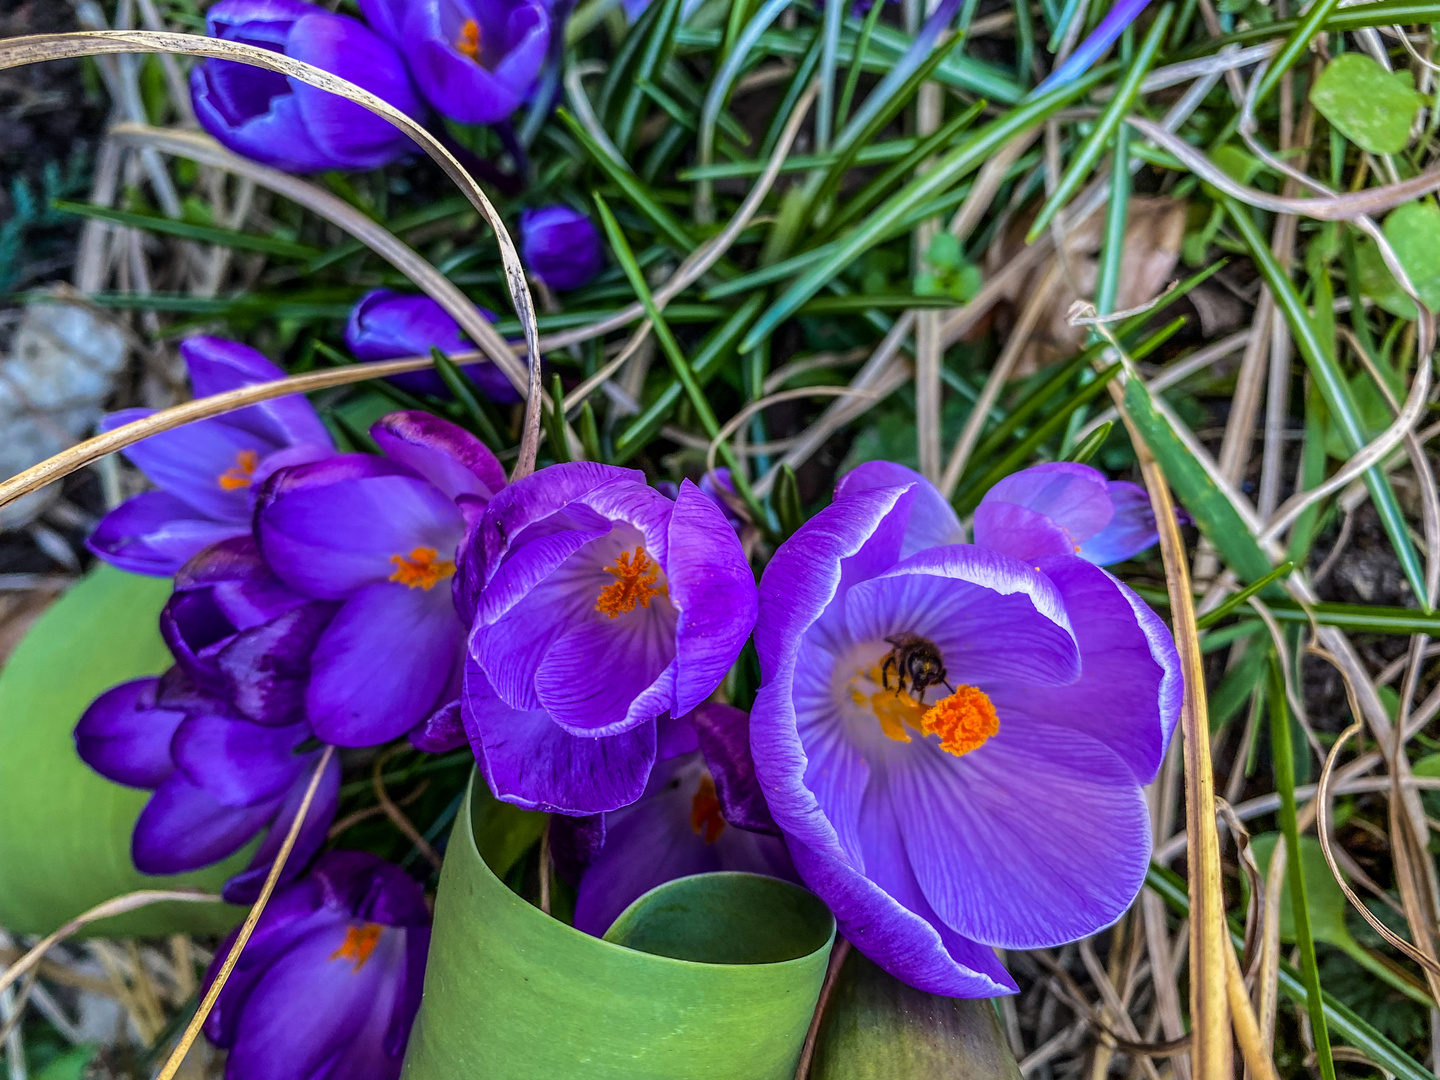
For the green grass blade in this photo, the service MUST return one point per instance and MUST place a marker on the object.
(1296, 45)
(1091, 443)
(1282, 751)
(464, 390)
(205, 234)
(947, 171)
(1210, 618)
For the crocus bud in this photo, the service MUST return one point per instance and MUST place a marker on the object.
(560, 246)
(476, 61)
(289, 124)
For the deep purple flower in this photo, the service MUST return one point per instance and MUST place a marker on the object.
(207, 472)
(1063, 508)
(596, 606)
(384, 325)
(952, 739)
(218, 779)
(560, 246)
(1095, 44)
(378, 535)
(476, 61)
(328, 985)
(719, 487)
(289, 124)
(698, 815)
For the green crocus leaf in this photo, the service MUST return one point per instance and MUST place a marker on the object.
(64, 829)
(1413, 231)
(1370, 106)
(712, 977)
(877, 1028)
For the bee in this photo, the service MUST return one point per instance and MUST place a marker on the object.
(917, 660)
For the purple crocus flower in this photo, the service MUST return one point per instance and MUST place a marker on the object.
(328, 985)
(385, 324)
(218, 779)
(1062, 508)
(560, 246)
(476, 61)
(289, 124)
(699, 813)
(1095, 45)
(207, 472)
(953, 738)
(378, 536)
(597, 605)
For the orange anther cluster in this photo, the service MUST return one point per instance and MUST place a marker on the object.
(469, 42)
(636, 576)
(359, 943)
(705, 816)
(241, 473)
(964, 721)
(421, 569)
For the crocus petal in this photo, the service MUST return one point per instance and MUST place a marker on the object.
(245, 887)
(992, 617)
(183, 827)
(349, 133)
(1039, 837)
(447, 455)
(1094, 46)
(225, 102)
(933, 521)
(156, 533)
(1130, 531)
(440, 732)
(235, 761)
(1072, 497)
(125, 736)
(713, 586)
(724, 735)
(560, 246)
(608, 675)
(190, 462)
(530, 761)
(332, 527)
(383, 663)
(263, 671)
(1129, 690)
(217, 365)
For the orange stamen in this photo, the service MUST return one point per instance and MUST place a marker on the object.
(636, 576)
(359, 943)
(964, 721)
(421, 569)
(705, 816)
(469, 42)
(241, 473)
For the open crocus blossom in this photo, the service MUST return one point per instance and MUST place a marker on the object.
(206, 472)
(378, 536)
(385, 324)
(476, 61)
(289, 124)
(953, 738)
(328, 985)
(560, 246)
(697, 815)
(597, 605)
(218, 779)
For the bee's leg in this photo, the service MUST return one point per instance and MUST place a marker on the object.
(885, 672)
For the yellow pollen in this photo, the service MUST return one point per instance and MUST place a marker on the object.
(359, 943)
(893, 710)
(421, 569)
(705, 817)
(241, 473)
(635, 584)
(469, 42)
(964, 721)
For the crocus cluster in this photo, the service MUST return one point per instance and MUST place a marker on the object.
(474, 61)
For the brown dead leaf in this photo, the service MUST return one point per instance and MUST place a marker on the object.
(1153, 234)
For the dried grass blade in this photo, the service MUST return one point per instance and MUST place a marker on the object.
(93, 449)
